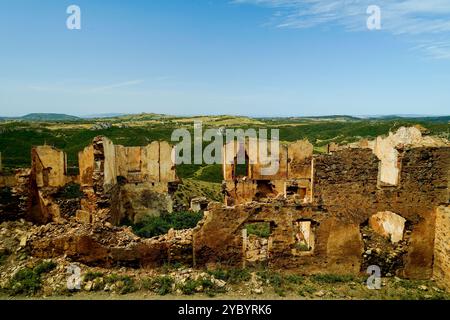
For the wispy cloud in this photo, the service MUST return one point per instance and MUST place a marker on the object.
(64, 87)
(425, 22)
(115, 86)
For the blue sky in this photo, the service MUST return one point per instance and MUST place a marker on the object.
(247, 57)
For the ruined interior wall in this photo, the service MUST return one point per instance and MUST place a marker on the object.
(441, 271)
(49, 166)
(294, 163)
(86, 165)
(128, 160)
(256, 172)
(144, 174)
(166, 165)
(137, 201)
(109, 169)
(151, 161)
(300, 155)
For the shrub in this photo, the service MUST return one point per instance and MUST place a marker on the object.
(294, 279)
(205, 285)
(28, 281)
(232, 275)
(154, 226)
(89, 276)
(259, 229)
(189, 287)
(25, 281)
(161, 285)
(306, 289)
(127, 284)
(44, 267)
(332, 278)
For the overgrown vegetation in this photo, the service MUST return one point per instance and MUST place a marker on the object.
(123, 283)
(231, 275)
(259, 229)
(162, 285)
(190, 287)
(332, 278)
(155, 226)
(28, 281)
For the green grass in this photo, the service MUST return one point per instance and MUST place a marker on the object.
(44, 267)
(231, 275)
(259, 229)
(154, 226)
(332, 278)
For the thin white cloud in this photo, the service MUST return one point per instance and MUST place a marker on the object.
(62, 87)
(419, 21)
(115, 86)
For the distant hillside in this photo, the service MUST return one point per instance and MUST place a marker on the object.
(42, 117)
(48, 117)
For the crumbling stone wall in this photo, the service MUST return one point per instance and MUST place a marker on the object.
(442, 247)
(293, 178)
(125, 182)
(346, 195)
(48, 174)
(341, 198)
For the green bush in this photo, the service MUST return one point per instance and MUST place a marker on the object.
(189, 287)
(155, 226)
(206, 285)
(161, 285)
(332, 278)
(232, 275)
(306, 289)
(294, 279)
(44, 267)
(259, 229)
(28, 281)
(89, 276)
(127, 284)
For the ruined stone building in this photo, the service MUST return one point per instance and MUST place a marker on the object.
(383, 202)
(116, 183)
